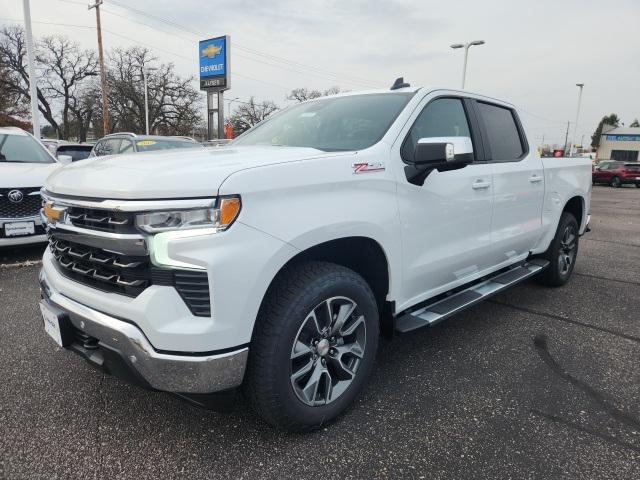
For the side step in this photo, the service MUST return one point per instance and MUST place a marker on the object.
(438, 311)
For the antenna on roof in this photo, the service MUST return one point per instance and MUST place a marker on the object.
(399, 83)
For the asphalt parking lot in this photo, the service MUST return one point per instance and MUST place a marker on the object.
(536, 383)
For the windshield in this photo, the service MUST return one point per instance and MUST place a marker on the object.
(150, 145)
(22, 149)
(330, 124)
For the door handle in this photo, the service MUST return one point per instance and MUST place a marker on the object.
(535, 178)
(480, 184)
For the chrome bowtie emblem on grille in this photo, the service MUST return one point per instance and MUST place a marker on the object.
(15, 196)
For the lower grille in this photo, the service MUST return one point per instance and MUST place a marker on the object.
(86, 341)
(100, 269)
(27, 206)
(126, 274)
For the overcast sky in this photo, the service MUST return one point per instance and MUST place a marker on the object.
(535, 51)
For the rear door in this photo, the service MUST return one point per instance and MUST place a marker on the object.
(518, 183)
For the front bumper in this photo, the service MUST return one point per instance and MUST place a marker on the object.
(120, 348)
(38, 237)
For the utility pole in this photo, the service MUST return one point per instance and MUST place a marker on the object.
(33, 88)
(103, 73)
(566, 137)
(575, 126)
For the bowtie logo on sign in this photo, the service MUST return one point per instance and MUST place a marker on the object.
(211, 51)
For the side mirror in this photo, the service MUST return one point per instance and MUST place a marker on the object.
(447, 152)
(65, 159)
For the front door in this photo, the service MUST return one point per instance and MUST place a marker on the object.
(446, 222)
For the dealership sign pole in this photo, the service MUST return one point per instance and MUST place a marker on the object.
(215, 79)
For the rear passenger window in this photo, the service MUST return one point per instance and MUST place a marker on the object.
(502, 132)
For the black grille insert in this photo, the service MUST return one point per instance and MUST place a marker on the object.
(127, 274)
(103, 220)
(112, 272)
(28, 206)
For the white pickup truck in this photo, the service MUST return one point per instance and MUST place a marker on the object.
(277, 262)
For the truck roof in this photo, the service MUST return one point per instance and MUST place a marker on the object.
(425, 89)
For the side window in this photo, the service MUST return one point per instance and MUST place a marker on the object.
(99, 149)
(112, 146)
(126, 146)
(444, 117)
(502, 132)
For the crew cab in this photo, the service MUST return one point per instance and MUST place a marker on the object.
(24, 165)
(274, 264)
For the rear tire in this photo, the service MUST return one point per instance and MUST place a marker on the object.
(562, 252)
(313, 347)
(616, 182)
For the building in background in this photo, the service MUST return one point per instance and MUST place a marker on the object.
(619, 143)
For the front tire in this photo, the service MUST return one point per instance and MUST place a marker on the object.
(313, 346)
(562, 252)
(616, 182)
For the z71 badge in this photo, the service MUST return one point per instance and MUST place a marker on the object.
(368, 167)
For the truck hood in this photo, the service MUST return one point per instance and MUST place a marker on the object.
(168, 174)
(23, 175)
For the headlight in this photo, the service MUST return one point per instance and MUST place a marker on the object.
(218, 217)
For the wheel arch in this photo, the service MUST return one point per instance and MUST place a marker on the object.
(576, 206)
(363, 255)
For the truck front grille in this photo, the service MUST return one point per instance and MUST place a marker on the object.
(28, 206)
(100, 268)
(129, 275)
(102, 220)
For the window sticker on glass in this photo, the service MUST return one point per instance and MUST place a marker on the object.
(146, 143)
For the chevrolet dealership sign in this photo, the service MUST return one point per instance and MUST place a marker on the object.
(214, 63)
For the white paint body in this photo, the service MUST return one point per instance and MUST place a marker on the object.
(435, 237)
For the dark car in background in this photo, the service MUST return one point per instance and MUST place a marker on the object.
(119, 143)
(616, 173)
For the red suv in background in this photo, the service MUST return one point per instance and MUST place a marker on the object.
(616, 173)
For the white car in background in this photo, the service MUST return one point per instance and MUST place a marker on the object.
(24, 165)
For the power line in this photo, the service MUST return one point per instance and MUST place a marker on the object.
(321, 71)
(152, 47)
(292, 66)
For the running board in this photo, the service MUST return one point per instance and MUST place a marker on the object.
(438, 311)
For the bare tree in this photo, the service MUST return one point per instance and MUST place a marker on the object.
(16, 82)
(65, 66)
(11, 103)
(251, 113)
(304, 94)
(174, 104)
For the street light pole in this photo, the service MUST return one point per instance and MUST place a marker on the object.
(33, 88)
(146, 101)
(466, 47)
(103, 74)
(575, 125)
(230, 102)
